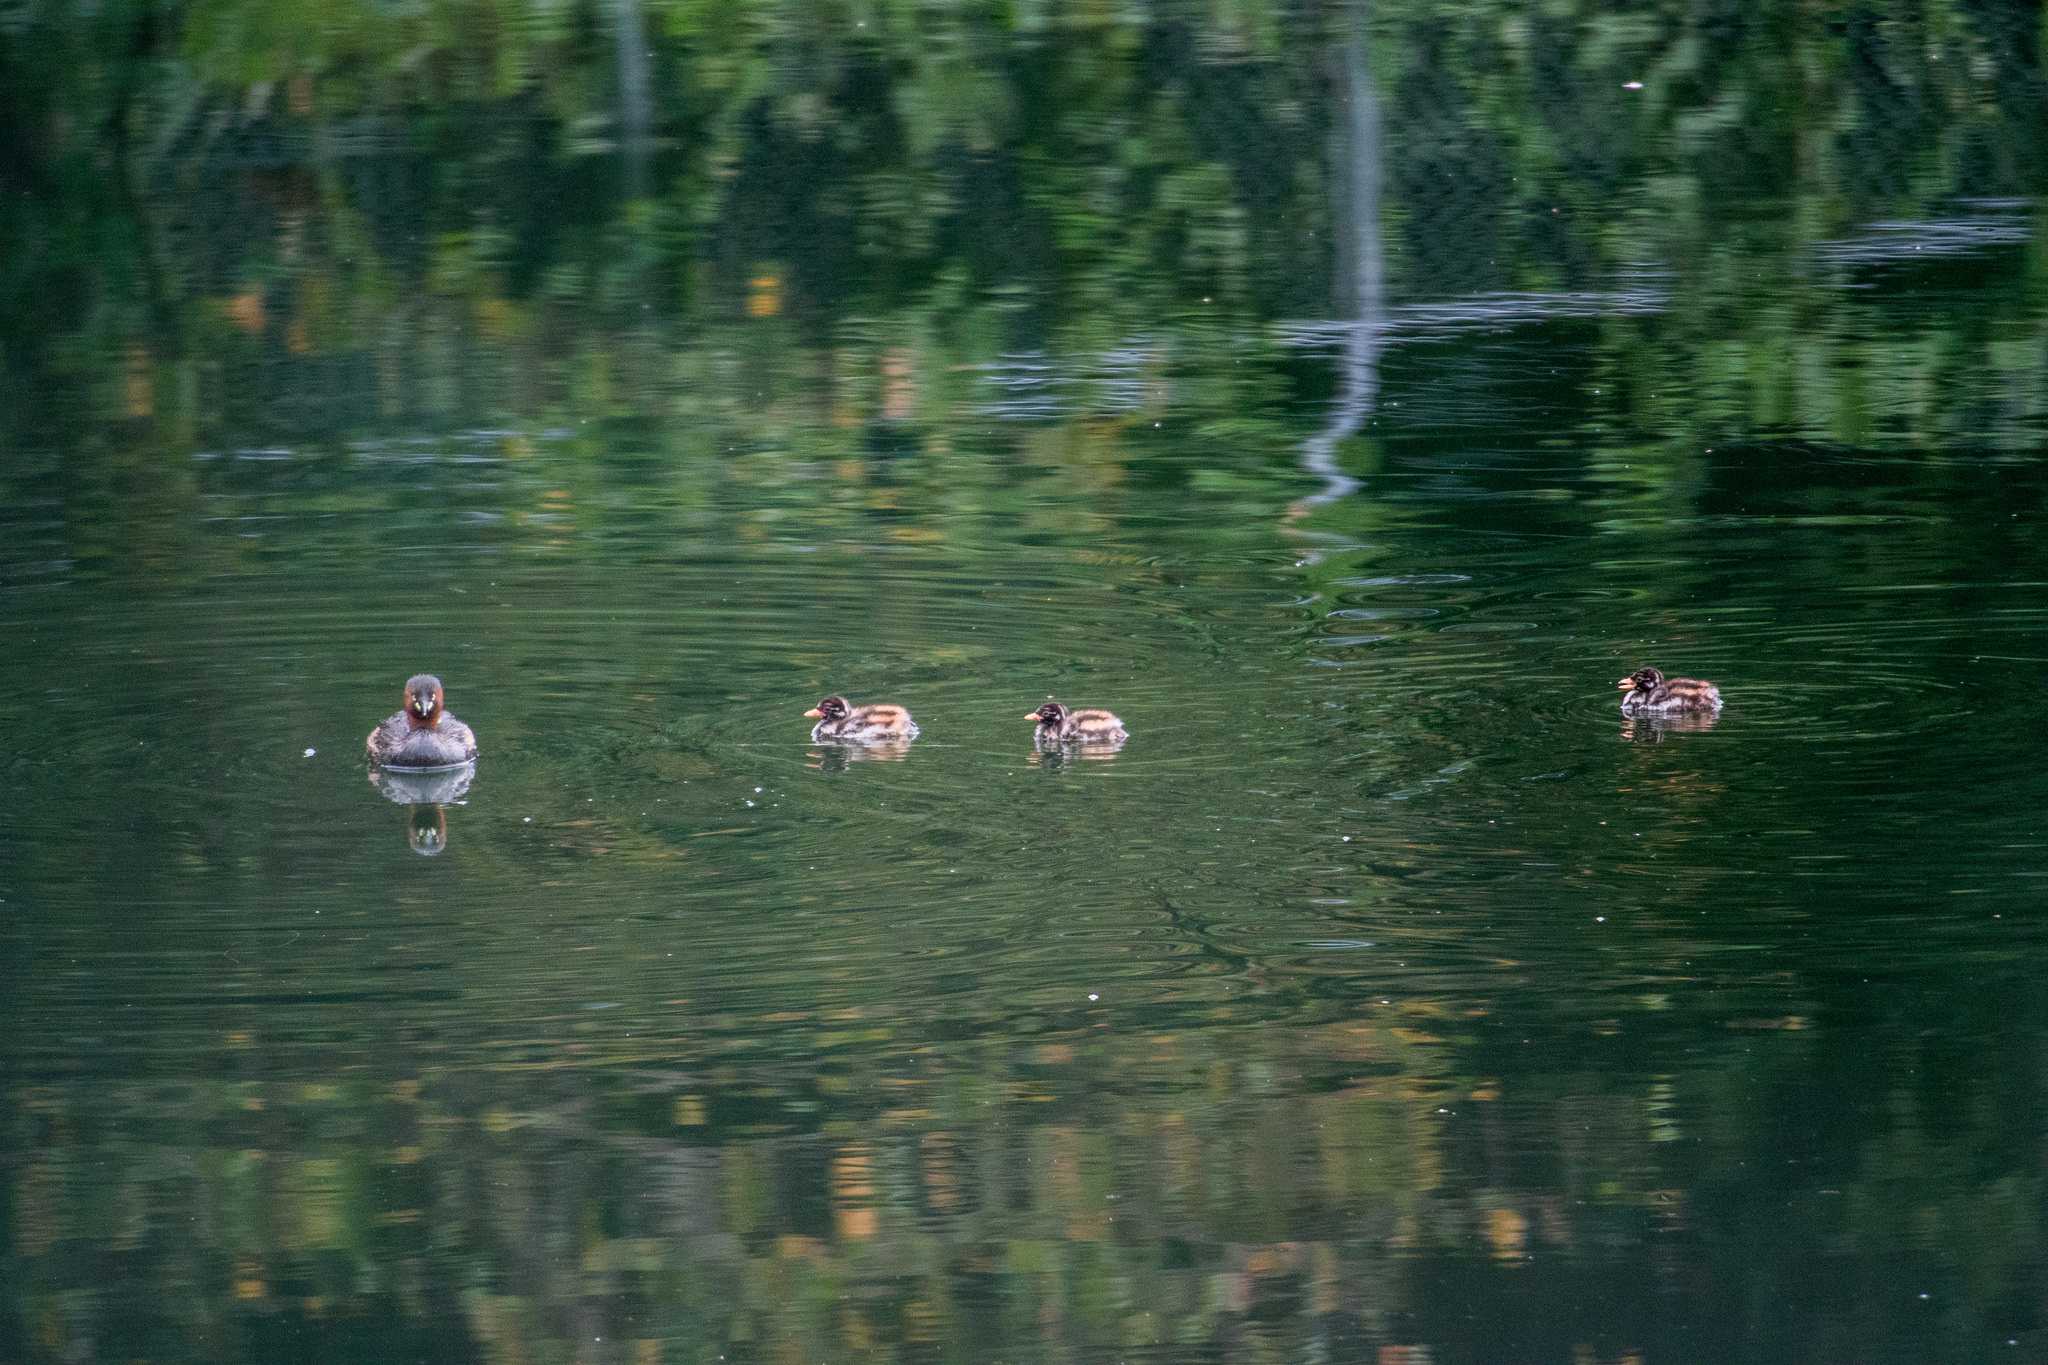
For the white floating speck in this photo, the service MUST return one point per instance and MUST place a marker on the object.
(1631, 85)
(309, 753)
(1093, 996)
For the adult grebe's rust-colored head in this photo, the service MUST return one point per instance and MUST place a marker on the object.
(830, 709)
(423, 700)
(1642, 680)
(1052, 713)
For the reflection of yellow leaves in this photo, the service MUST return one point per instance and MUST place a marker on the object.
(1279, 1259)
(138, 389)
(1507, 1232)
(922, 1322)
(764, 295)
(1326, 1278)
(245, 310)
(1087, 1227)
(857, 1332)
(853, 1175)
(315, 1194)
(689, 1111)
(1484, 1093)
(249, 1280)
(852, 1192)
(498, 318)
(1414, 1035)
(941, 1180)
(899, 384)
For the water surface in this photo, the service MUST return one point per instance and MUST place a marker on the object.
(1387, 996)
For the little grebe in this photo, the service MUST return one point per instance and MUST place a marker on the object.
(841, 722)
(1060, 725)
(422, 734)
(1650, 693)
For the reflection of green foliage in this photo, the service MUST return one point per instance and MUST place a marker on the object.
(410, 1200)
(398, 188)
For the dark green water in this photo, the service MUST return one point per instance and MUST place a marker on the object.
(1347, 400)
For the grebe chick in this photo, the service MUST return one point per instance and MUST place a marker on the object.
(1650, 693)
(841, 722)
(1058, 724)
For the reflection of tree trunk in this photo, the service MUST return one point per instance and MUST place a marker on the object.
(1361, 293)
(635, 114)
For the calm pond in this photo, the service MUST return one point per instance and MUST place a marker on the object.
(1345, 398)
